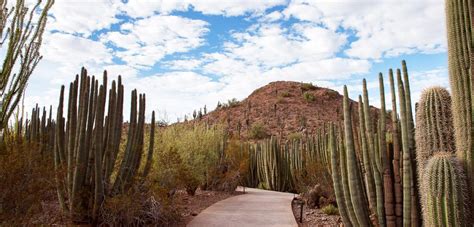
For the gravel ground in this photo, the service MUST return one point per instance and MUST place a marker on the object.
(191, 206)
(315, 217)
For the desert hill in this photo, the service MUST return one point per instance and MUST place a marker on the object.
(281, 108)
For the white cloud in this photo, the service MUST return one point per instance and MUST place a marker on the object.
(382, 28)
(272, 46)
(83, 16)
(145, 8)
(146, 41)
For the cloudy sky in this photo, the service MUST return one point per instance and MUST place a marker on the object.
(185, 54)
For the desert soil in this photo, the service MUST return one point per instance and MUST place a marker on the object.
(315, 217)
(191, 206)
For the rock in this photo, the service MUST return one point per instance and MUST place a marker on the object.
(194, 213)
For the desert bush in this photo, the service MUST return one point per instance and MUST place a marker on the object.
(195, 151)
(330, 210)
(309, 97)
(285, 94)
(26, 184)
(307, 86)
(230, 103)
(295, 136)
(139, 206)
(229, 173)
(258, 132)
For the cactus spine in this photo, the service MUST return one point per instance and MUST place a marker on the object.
(434, 129)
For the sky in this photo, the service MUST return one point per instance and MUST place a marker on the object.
(185, 54)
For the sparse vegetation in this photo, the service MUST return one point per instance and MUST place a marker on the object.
(330, 210)
(285, 94)
(307, 86)
(309, 97)
(230, 103)
(258, 132)
(295, 136)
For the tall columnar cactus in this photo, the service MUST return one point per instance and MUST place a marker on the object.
(396, 163)
(87, 144)
(407, 163)
(354, 174)
(372, 139)
(367, 163)
(336, 176)
(388, 184)
(445, 191)
(459, 23)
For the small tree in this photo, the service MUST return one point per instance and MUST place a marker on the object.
(22, 39)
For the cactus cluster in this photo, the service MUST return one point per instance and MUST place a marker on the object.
(373, 187)
(279, 165)
(87, 144)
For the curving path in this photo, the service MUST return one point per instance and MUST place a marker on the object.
(254, 208)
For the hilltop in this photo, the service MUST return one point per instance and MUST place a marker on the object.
(281, 108)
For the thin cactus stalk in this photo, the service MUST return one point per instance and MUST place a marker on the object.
(150, 147)
(369, 178)
(386, 163)
(415, 206)
(336, 176)
(355, 184)
(407, 167)
(396, 155)
(369, 135)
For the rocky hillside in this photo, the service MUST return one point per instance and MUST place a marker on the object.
(281, 108)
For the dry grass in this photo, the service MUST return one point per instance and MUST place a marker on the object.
(27, 186)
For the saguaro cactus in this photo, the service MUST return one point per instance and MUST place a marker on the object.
(445, 188)
(434, 129)
(461, 61)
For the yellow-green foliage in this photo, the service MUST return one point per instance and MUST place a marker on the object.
(192, 150)
(309, 97)
(258, 132)
(330, 210)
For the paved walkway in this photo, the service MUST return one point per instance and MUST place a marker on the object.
(254, 208)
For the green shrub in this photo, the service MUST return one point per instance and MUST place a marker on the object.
(258, 132)
(285, 94)
(295, 136)
(330, 210)
(309, 97)
(190, 154)
(307, 86)
(231, 103)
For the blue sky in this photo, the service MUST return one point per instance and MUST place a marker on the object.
(185, 54)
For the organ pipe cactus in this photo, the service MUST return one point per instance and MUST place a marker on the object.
(354, 174)
(87, 143)
(336, 176)
(392, 202)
